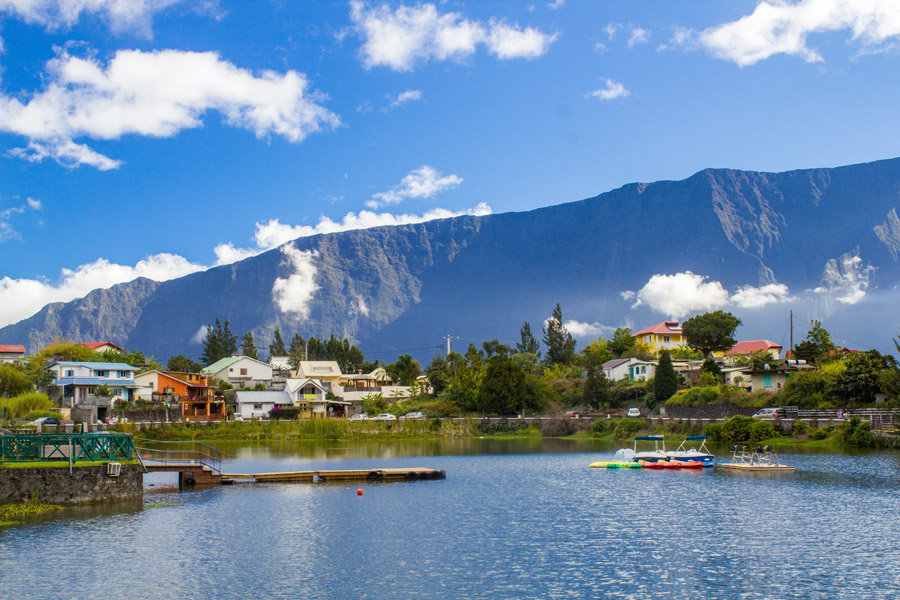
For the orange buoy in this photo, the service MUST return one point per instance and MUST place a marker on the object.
(359, 492)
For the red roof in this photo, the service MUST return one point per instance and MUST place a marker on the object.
(95, 345)
(753, 346)
(664, 328)
(12, 348)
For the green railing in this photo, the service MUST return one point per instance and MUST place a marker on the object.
(35, 447)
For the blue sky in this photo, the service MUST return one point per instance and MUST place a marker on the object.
(161, 137)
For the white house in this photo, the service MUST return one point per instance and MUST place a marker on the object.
(256, 405)
(280, 362)
(241, 371)
(328, 372)
(641, 370)
(12, 353)
(617, 368)
(77, 382)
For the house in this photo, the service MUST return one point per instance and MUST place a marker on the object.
(311, 397)
(12, 353)
(240, 371)
(280, 363)
(328, 372)
(77, 382)
(641, 370)
(257, 405)
(772, 379)
(617, 368)
(752, 347)
(735, 376)
(196, 399)
(662, 336)
(101, 347)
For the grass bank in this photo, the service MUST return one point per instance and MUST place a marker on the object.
(10, 512)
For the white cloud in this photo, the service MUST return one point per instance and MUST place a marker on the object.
(507, 42)
(154, 94)
(846, 280)
(120, 15)
(198, 337)
(611, 29)
(424, 182)
(686, 293)
(405, 97)
(581, 330)
(556, 4)
(613, 90)
(681, 294)
(294, 293)
(21, 298)
(755, 297)
(411, 35)
(7, 231)
(361, 306)
(638, 36)
(781, 27)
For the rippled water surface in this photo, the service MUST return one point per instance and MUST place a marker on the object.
(513, 519)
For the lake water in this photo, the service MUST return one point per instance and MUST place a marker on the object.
(513, 519)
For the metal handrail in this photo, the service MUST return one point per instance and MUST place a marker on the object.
(215, 452)
(206, 455)
(31, 447)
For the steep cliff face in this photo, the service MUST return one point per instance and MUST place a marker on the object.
(831, 233)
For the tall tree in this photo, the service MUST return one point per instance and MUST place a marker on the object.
(622, 341)
(502, 390)
(438, 375)
(597, 353)
(248, 348)
(560, 343)
(229, 340)
(597, 388)
(213, 348)
(711, 332)
(528, 343)
(405, 370)
(665, 382)
(183, 364)
(276, 348)
(816, 345)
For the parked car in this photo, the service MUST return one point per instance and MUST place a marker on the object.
(571, 414)
(414, 415)
(237, 417)
(385, 417)
(634, 412)
(770, 413)
(45, 421)
(360, 417)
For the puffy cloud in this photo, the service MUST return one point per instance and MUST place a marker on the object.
(637, 36)
(754, 297)
(613, 90)
(294, 293)
(154, 94)
(198, 337)
(686, 293)
(410, 35)
(406, 97)
(611, 29)
(556, 4)
(120, 15)
(845, 280)
(681, 294)
(19, 298)
(780, 27)
(361, 306)
(424, 182)
(580, 330)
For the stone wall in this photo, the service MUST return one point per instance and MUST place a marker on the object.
(85, 485)
(722, 410)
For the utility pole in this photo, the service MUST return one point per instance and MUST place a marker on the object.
(792, 333)
(448, 344)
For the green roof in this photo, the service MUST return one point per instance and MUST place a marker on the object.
(220, 364)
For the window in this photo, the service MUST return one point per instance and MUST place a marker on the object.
(257, 406)
(70, 373)
(243, 372)
(666, 339)
(767, 381)
(101, 373)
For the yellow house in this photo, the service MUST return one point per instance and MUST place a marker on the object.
(662, 336)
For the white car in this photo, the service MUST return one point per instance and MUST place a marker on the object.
(237, 417)
(414, 415)
(360, 417)
(385, 417)
(633, 412)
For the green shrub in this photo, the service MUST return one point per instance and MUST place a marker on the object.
(715, 432)
(739, 429)
(602, 426)
(697, 396)
(857, 433)
(821, 433)
(284, 413)
(799, 427)
(21, 405)
(626, 428)
(558, 428)
(505, 428)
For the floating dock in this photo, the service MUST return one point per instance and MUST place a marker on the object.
(344, 476)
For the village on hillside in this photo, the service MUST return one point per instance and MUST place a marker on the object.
(656, 368)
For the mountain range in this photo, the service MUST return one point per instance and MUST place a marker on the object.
(824, 243)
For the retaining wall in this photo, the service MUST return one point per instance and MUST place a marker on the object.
(85, 485)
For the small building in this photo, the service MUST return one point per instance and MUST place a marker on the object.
(12, 353)
(257, 405)
(241, 371)
(197, 400)
(311, 397)
(280, 363)
(102, 347)
(617, 368)
(662, 336)
(773, 379)
(641, 370)
(76, 385)
(328, 372)
(754, 346)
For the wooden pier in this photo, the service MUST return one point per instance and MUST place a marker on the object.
(344, 476)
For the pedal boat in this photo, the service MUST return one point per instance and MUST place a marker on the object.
(699, 454)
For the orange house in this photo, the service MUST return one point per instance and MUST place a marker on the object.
(198, 400)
